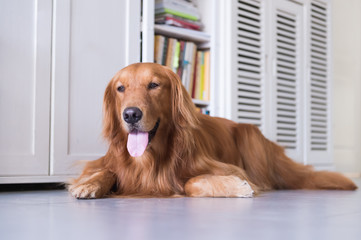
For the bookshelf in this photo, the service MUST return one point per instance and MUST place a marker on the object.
(203, 39)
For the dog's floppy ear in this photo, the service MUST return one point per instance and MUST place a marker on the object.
(183, 109)
(111, 124)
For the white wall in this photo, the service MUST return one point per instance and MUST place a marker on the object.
(346, 35)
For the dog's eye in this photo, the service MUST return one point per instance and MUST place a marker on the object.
(153, 85)
(121, 89)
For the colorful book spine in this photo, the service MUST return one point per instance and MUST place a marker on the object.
(185, 63)
(192, 67)
(202, 78)
(165, 51)
(206, 79)
(198, 76)
(170, 52)
(194, 77)
(181, 57)
(175, 59)
(158, 48)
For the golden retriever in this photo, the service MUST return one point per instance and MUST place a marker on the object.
(160, 146)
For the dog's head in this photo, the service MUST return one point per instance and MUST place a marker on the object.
(143, 99)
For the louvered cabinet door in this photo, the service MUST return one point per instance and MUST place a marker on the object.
(281, 80)
(287, 76)
(249, 80)
(318, 86)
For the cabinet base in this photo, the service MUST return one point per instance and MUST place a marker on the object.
(36, 179)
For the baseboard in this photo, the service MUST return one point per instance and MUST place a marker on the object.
(35, 179)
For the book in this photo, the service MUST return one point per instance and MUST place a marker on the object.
(170, 52)
(158, 48)
(193, 64)
(201, 80)
(185, 63)
(175, 58)
(198, 77)
(206, 84)
(181, 57)
(165, 50)
(194, 80)
(188, 65)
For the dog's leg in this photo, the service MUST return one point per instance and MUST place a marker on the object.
(95, 182)
(218, 186)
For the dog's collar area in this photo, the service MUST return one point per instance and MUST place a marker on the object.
(153, 131)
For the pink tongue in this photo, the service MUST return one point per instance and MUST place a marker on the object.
(137, 143)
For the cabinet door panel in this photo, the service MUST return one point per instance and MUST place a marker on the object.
(25, 45)
(287, 44)
(318, 140)
(91, 43)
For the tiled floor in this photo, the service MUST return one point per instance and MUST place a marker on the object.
(273, 215)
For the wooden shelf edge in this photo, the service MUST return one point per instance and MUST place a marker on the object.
(202, 103)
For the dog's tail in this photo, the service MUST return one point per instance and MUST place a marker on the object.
(329, 180)
(268, 166)
(288, 174)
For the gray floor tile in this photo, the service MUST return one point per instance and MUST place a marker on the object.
(272, 215)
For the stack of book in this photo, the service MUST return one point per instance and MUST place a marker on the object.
(192, 65)
(180, 13)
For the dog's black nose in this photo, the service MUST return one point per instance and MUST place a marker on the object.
(132, 115)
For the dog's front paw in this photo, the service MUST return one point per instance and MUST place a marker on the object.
(242, 189)
(86, 191)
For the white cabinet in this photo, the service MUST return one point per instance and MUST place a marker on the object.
(56, 59)
(270, 66)
(89, 47)
(25, 50)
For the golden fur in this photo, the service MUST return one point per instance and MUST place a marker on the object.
(191, 154)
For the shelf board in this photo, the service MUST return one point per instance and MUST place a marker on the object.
(201, 103)
(182, 33)
(205, 45)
